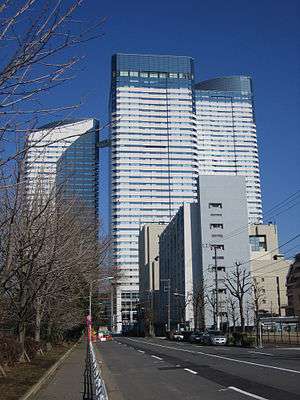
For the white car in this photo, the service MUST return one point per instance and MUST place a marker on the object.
(214, 338)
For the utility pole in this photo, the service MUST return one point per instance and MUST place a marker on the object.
(169, 301)
(278, 296)
(217, 316)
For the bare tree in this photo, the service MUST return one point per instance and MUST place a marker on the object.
(199, 303)
(38, 41)
(258, 299)
(232, 311)
(238, 283)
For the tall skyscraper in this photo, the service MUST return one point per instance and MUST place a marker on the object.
(64, 153)
(154, 156)
(227, 134)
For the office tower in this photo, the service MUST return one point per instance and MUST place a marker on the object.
(64, 154)
(227, 134)
(78, 171)
(154, 155)
(269, 270)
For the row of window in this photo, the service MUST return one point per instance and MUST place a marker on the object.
(152, 74)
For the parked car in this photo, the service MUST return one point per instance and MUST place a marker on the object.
(196, 337)
(178, 336)
(214, 338)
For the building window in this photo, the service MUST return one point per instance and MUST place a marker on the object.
(216, 226)
(258, 243)
(215, 205)
(218, 246)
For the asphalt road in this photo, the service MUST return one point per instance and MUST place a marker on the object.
(154, 369)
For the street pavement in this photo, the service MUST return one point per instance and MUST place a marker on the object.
(153, 369)
(67, 382)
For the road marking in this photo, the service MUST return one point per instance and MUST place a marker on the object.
(141, 351)
(191, 371)
(158, 358)
(260, 352)
(247, 393)
(287, 348)
(221, 357)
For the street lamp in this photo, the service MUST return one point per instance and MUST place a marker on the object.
(89, 317)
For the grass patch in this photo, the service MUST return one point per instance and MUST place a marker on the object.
(22, 377)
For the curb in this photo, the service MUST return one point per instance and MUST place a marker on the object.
(47, 375)
(112, 388)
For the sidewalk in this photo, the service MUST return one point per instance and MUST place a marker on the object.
(67, 381)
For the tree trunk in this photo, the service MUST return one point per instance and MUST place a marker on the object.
(241, 307)
(38, 318)
(21, 336)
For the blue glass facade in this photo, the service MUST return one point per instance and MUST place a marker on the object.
(78, 170)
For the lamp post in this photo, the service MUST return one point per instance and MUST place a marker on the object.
(89, 317)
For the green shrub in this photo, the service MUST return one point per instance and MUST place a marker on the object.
(247, 340)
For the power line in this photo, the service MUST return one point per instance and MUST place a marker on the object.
(268, 252)
(279, 205)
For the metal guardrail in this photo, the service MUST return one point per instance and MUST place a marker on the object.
(94, 386)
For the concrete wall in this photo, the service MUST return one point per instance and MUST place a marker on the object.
(268, 268)
(223, 222)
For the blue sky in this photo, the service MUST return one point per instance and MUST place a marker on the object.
(257, 38)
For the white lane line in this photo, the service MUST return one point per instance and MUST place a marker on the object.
(260, 352)
(158, 358)
(191, 371)
(287, 348)
(254, 396)
(221, 357)
(141, 351)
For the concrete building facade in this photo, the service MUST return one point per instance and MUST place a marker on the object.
(223, 211)
(149, 279)
(187, 250)
(269, 269)
(180, 269)
(293, 287)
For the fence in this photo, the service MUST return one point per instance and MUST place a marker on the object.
(281, 337)
(94, 386)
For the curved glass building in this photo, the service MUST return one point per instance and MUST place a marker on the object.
(227, 134)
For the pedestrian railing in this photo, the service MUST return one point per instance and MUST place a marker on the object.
(280, 338)
(94, 386)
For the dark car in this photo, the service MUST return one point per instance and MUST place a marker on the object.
(196, 337)
(214, 338)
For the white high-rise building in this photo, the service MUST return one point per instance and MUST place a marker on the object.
(227, 134)
(73, 144)
(154, 158)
